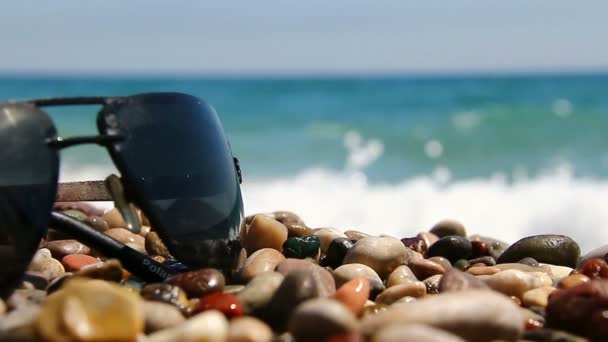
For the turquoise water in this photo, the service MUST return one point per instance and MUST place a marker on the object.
(507, 155)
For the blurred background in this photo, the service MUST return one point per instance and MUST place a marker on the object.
(381, 116)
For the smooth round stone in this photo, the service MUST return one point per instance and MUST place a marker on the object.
(598, 253)
(297, 287)
(414, 332)
(287, 217)
(455, 280)
(337, 251)
(551, 249)
(428, 237)
(354, 294)
(524, 268)
(98, 223)
(595, 269)
(479, 249)
(401, 274)
(263, 260)
(85, 309)
(61, 248)
(496, 247)
(199, 282)
(166, 293)
(249, 329)
(76, 214)
(110, 270)
(298, 230)
(483, 270)
(414, 289)
(226, 303)
(125, 236)
(84, 207)
(326, 282)
(424, 268)
(462, 264)
(537, 297)
(75, 262)
(209, 326)
(349, 272)
(264, 232)
(155, 246)
(318, 319)
(382, 254)
(372, 309)
(514, 282)
(114, 218)
(486, 261)
(445, 263)
(451, 247)
(233, 289)
(576, 309)
(573, 280)
(416, 244)
(45, 264)
(327, 235)
(355, 235)
(474, 315)
(432, 283)
(448, 227)
(301, 247)
(557, 272)
(528, 261)
(259, 291)
(159, 316)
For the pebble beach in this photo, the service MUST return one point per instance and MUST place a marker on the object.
(293, 282)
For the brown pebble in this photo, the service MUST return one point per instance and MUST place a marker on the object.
(263, 260)
(401, 274)
(573, 280)
(424, 268)
(61, 248)
(199, 282)
(264, 232)
(410, 289)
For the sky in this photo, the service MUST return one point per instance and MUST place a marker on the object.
(302, 37)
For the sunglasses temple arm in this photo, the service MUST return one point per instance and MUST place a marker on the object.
(138, 264)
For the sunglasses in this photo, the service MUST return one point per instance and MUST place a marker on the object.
(175, 164)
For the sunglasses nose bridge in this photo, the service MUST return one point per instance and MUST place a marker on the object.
(103, 140)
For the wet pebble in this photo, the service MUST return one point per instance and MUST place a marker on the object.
(354, 294)
(45, 264)
(125, 236)
(263, 260)
(155, 246)
(414, 332)
(98, 223)
(327, 235)
(382, 254)
(580, 310)
(110, 270)
(159, 316)
(410, 289)
(249, 329)
(424, 268)
(318, 319)
(595, 268)
(226, 303)
(514, 282)
(199, 282)
(448, 227)
(432, 283)
(416, 244)
(166, 293)
(401, 274)
(551, 249)
(496, 247)
(324, 279)
(475, 315)
(451, 247)
(209, 326)
(337, 251)
(537, 297)
(302, 247)
(259, 291)
(61, 248)
(348, 272)
(455, 280)
(84, 309)
(75, 262)
(264, 232)
(573, 280)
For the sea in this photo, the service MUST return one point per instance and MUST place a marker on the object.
(507, 155)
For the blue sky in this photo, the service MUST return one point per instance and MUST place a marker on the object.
(312, 36)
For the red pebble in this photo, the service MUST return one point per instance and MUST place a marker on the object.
(75, 262)
(480, 248)
(228, 304)
(595, 268)
(348, 337)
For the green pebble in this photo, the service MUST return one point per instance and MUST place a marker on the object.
(300, 248)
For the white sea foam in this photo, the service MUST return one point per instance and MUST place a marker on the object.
(556, 202)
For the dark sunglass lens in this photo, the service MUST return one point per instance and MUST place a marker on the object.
(28, 182)
(177, 162)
